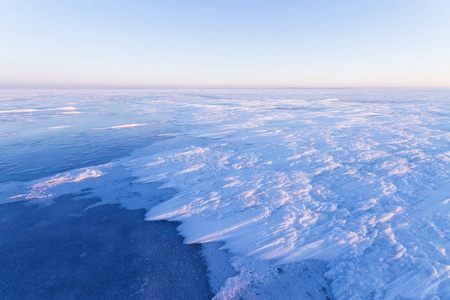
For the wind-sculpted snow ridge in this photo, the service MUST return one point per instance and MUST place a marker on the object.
(362, 185)
(46, 189)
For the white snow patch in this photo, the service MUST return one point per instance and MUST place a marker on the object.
(122, 126)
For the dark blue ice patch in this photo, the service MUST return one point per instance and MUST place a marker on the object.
(106, 252)
(36, 157)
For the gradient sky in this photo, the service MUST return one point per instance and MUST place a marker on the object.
(225, 43)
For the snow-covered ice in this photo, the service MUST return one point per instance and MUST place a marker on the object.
(353, 183)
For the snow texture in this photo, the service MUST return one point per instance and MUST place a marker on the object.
(353, 182)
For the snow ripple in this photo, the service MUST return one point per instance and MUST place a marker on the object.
(346, 182)
(360, 184)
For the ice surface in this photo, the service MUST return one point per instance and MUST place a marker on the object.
(63, 251)
(48, 132)
(353, 182)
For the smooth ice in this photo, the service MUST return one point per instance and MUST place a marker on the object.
(60, 251)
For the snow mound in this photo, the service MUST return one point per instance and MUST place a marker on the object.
(354, 183)
(363, 186)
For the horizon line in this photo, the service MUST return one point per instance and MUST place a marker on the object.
(4, 87)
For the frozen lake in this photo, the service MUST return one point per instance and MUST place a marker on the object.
(310, 193)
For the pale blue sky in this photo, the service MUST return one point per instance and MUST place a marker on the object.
(253, 43)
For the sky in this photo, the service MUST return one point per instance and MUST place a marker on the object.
(225, 43)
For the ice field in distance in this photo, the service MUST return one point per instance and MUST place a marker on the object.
(355, 179)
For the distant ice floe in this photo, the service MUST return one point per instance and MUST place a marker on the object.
(12, 111)
(72, 112)
(58, 127)
(5, 134)
(123, 126)
(31, 110)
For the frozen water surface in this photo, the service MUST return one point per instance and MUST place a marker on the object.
(106, 252)
(44, 133)
(314, 193)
